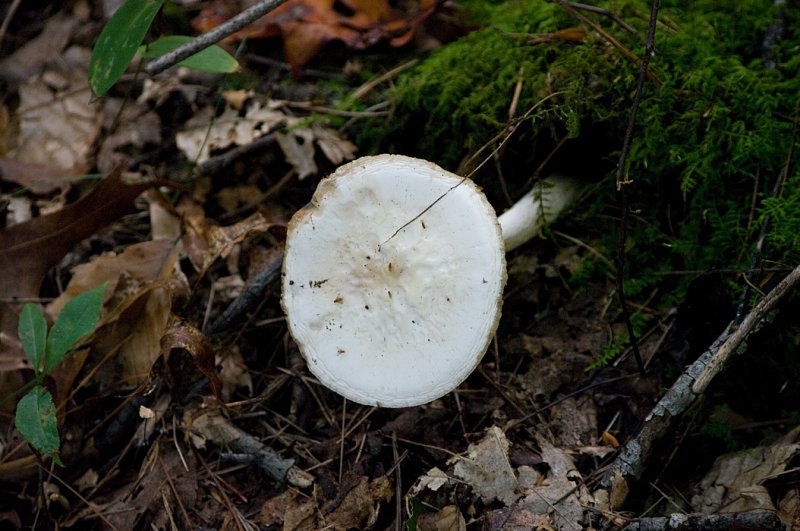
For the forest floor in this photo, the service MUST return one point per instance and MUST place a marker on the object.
(176, 190)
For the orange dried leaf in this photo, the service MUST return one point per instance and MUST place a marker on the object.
(610, 440)
(306, 25)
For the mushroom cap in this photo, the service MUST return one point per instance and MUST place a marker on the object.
(392, 280)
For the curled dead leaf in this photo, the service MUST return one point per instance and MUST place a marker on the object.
(204, 241)
(183, 336)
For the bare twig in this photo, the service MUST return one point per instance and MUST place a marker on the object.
(623, 182)
(7, 20)
(220, 162)
(367, 87)
(756, 521)
(601, 11)
(777, 190)
(570, 8)
(691, 385)
(205, 40)
(249, 298)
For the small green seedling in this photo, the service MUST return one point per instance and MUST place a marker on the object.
(36, 412)
(122, 37)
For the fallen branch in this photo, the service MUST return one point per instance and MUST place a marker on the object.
(757, 521)
(244, 448)
(250, 297)
(691, 385)
(205, 40)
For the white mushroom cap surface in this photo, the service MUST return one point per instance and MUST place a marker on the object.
(392, 280)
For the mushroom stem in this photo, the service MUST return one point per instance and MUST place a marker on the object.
(542, 205)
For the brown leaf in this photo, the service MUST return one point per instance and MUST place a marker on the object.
(359, 508)
(29, 60)
(146, 131)
(139, 263)
(233, 373)
(450, 519)
(298, 148)
(181, 335)
(306, 25)
(29, 250)
(141, 287)
(58, 126)
(163, 479)
(576, 34)
(35, 177)
(205, 242)
(486, 468)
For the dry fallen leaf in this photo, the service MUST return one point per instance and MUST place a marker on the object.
(448, 518)
(360, 507)
(335, 148)
(29, 59)
(299, 515)
(789, 509)
(144, 128)
(518, 518)
(574, 422)
(306, 25)
(139, 263)
(30, 249)
(123, 508)
(487, 470)
(735, 482)
(561, 495)
(142, 283)
(205, 242)
(204, 132)
(298, 148)
(433, 480)
(183, 336)
(36, 178)
(233, 373)
(58, 124)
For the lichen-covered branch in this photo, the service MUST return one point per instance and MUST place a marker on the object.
(205, 40)
(691, 385)
(760, 521)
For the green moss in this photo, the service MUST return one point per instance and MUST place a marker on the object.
(715, 132)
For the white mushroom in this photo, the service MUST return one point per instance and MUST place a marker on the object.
(393, 277)
(539, 207)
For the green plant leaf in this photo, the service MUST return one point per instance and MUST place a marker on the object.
(32, 331)
(119, 41)
(36, 421)
(416, 510)
(213, 59)
(78, 317)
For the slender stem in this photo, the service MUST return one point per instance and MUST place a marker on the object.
(623, 182)
(205, 40)
(7, 20)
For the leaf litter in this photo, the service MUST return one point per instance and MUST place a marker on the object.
(165, 424)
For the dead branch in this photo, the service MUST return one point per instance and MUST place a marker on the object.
(205, 40)
(756, 521)
(691, 385)
(250, 297)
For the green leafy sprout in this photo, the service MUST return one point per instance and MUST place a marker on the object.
(122, 38)
(36, 413)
